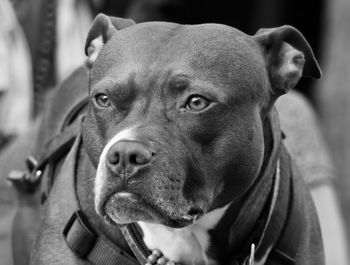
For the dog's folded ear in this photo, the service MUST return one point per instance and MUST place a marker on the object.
(288, 57)
(103, 27)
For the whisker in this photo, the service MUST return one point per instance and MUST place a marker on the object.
(93, 179)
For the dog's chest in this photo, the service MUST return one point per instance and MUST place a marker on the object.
(187, 245)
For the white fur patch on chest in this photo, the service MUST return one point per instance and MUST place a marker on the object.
(186, 245)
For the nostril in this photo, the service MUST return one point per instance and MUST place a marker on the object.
(133, 159)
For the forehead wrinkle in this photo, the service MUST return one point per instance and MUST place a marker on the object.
(156, 86)
(178, 82)
(125, 90)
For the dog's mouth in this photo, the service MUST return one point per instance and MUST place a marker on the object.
(126, 207)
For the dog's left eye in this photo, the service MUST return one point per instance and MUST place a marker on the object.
(197, 103)
(102, 100)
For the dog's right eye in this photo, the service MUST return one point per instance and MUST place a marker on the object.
(197, 103)
(102, 100)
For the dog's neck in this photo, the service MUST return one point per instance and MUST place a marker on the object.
(229, 226)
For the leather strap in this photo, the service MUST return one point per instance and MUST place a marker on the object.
(76, 109)
(286, 224)
(277, 212)
(279, 241)
(59, 145)
(53, 151)
(286, 248)
(84, 242)
(134, 240)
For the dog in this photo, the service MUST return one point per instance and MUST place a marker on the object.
(179, 158)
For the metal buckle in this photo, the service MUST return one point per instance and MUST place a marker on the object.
(26, 181)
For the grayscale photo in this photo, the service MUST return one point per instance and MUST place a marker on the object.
(174, 132)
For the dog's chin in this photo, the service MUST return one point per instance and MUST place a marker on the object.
(125, 208)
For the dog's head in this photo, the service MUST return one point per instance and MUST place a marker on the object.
(175, 119)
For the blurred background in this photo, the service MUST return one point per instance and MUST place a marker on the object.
(42, 42)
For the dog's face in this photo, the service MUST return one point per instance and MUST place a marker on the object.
(174, 124)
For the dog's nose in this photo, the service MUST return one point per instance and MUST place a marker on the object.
(129, 154)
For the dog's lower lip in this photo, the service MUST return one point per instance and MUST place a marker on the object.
(128, 195)
(121, 194)
(192, 216)
(135, 202)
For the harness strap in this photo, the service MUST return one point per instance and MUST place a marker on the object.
(28, 181)
(276, 216)
(54, 150)
(282, 232)
(132, 237)
(74, 111)
(60, 145)
(285, 251)
(84, 242)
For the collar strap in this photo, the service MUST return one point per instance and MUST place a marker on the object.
(287, 245)
(285, 221)
(84, 242)
(134, 239)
